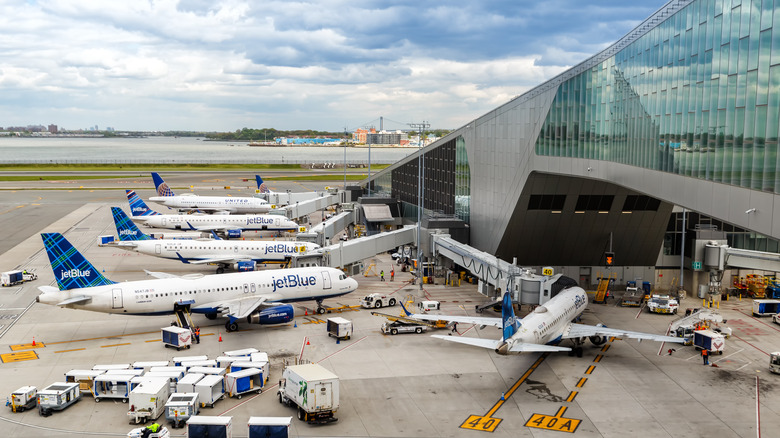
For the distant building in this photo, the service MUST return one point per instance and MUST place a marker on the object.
(52, 129)
(384, 138)
(360, 135)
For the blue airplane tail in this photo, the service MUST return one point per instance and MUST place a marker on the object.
(71, 269)
(161, 186)
(261, 187)
(125, 227)
(137, 205)
(511, 322)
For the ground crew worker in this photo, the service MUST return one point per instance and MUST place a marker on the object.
(197, 335)
(382, 275)
(150, 429)
(392, 273)
(705, 356)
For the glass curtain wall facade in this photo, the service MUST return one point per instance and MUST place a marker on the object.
(463, 181)
(698, 95)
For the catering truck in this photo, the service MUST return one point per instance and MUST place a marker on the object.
(313, 390)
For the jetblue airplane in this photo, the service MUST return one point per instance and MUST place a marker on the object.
(543, 328)
(228, 204)
(231, 224)
(224, 253)
(258, 297)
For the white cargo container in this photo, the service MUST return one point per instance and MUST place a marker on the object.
(264, 367)
(269, 427)
(176, 337)
(243, 352)
(57, 397)
(85, 379)
(146, 365)
(203, 426)
(168, 369)
(225, 361)
(187, 383)
(116, 386)
(208, 371)
(243, 382)
(211, 363)
(339, 328)
(180, 407)
(24, 398)
(259, 357)
(112, 366)
(147, 400)
(210, 389)
(313, 389)
(130, 372)
(177, 361)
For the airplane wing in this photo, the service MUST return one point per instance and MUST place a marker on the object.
(583, 330)
(492, 344)
(213, 227)
(75, 300)
(167, 275)
(243, 307)
(214, 260)
(477, 320)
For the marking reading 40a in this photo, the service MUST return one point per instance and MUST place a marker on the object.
(556, 422)
(476, 422)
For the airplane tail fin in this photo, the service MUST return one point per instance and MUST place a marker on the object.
(71, 269)
(511, 322)
(161, 186)
(404, 307)
(125, 228)
(261, 187)
(137, 205)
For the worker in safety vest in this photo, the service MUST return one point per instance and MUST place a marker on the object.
(197, 335)
(705, 356)
(150, 429)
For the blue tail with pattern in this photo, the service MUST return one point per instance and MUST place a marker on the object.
(71, 269)
(125, 227)
(261, 187)
(161, 186)
(511, 322)
(137, 205)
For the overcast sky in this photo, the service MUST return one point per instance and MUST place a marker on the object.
(328, 64)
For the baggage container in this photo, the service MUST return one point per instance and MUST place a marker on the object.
(243, 382)
(85, 379)
(210, 389)
(709, 340)
(11, 278)
(104, 240)
(112, 366)
(172, 376)
(766, 307)
(259, 357)
(209, 371)
(130, 372)
(225, 361)
(147, 400)
(269, 427)
(180, 407)
(264, 367)
(339, 328)
(116, 386)
(243, 352)
(23, 398)
(167, 369)
(212, 427)
(187, 383)
(176, 337)
(57, 396)
(177, 361)
(146, 365)
(200, 363)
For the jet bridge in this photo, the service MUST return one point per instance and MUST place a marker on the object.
(496, 275)
(718, 258)
(322, 233)
(305, 208)
(350, 254)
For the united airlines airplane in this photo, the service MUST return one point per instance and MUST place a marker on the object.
(231, 224)
(542, 329)
(228, 204)
(240, 255)
(258, 297)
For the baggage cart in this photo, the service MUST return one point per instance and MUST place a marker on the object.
(187, 383)
(225, 361)
(176, 337)
(147, 400)
(340, 328)
(180, 407)
(112, 366)
(201, 426)
(57, 396)
(209, 371)
(210, 389)
(244, 382)
(23, 398)
(264, 367)
(242, 352)
(766, 307)
(712, 341)
(269, 427)
(116, 386)
(177, 361)
(85, 379)
(200, 363)
(146, 365)
(259, 357)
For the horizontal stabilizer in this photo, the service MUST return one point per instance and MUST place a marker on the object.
(477, 320)
(476, 342)
(520, 347)
(80, 299)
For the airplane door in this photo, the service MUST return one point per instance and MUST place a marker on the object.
(116, 298)
(326, 280)
(276, 222)
(158, 249)
(246, 288)
(164, 220)
(252, 288)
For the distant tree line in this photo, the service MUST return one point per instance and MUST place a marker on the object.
(247, 134)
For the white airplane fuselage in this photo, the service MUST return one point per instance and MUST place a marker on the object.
(547, 323)
(259, 251)
(252, 222)
(207, 293)
(232, 204)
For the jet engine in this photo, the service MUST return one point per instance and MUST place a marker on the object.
(245, 265)
(233, 234)
(598, 340)
(272, 315)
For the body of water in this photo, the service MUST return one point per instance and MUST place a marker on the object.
(180, 150)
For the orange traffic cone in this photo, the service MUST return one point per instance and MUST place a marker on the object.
(33, 341)
(307, 341)
(305, 312)
(220, 337)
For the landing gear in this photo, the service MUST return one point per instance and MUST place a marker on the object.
(221, 270)
(231, 326)
(211, 316)
(320, 307)
(577, 349)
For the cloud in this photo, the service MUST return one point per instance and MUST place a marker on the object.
(222, 65)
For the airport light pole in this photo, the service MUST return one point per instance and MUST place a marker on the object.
(420, 193)
(345, 158)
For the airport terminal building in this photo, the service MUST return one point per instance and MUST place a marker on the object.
(677, 121)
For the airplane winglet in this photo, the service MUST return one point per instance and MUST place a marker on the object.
(182, 259)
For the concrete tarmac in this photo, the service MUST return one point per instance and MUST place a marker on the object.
(407, 385)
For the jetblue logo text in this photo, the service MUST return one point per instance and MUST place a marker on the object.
(280, 248)
(293, 281)
(259, 221)
(579, 301)
(75, 273)
(141, 209)
(127, 233)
